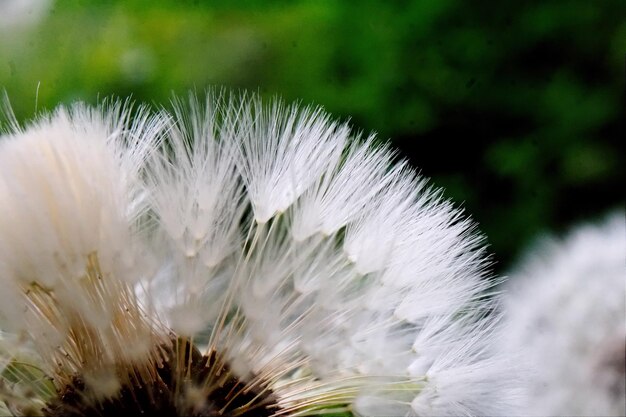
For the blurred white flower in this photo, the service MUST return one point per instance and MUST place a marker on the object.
(233, 258)
(15, 14)
(567, 312)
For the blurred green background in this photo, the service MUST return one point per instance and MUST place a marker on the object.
(515, 108)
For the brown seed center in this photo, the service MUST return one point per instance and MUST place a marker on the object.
(187, 384)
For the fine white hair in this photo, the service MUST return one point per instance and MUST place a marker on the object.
(566, 316)
(320, 266)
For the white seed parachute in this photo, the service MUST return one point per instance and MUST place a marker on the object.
(307, 264)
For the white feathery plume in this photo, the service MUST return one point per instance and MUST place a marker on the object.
(567, 315)
(336, 199)
(68, 261)
(274, 265)
(277, 159)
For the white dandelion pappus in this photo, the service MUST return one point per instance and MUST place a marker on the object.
(281, 267)
(67, 259)
(567, 313)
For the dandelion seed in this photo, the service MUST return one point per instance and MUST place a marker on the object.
(567, 308)
(231, 258)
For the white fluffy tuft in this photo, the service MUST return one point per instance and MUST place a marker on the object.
(316, 265)
(567, 315)
(332, 263)
(71, 203)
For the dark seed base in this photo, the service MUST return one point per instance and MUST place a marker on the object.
(159, 398)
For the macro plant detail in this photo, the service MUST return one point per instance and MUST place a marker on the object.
(235, 258)
(566, 308)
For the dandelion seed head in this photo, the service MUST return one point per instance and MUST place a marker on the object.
(567, 307)
(230, 257)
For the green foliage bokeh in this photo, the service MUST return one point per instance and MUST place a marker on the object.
(515, 108)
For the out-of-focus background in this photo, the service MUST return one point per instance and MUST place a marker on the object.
(515, 108)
